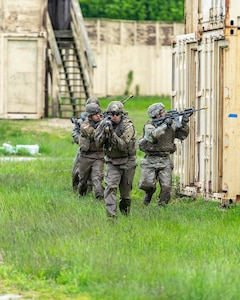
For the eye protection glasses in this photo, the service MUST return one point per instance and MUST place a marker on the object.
(162, 111)
(114, 113)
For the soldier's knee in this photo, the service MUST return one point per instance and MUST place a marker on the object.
(144, 185)
(166, 188)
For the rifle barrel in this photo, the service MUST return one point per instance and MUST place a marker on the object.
(125, 100)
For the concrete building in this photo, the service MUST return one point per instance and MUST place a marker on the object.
(52, 60)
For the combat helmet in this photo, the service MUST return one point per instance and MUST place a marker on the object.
(115, 106)
(92, 109)
(92, 100)
(155, 109)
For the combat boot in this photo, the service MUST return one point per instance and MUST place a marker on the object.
(124, 206)
(161, 203)
(164, 196)
(147, 199)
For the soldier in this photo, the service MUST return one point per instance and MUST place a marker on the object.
(75, 136)
(158, 144)
(91, 158)
(117, 133)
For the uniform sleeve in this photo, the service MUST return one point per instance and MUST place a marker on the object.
(86, 130)
(152, 134)
(182, 132)
(126, 136)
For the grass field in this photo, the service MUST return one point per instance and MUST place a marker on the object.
(54, 245)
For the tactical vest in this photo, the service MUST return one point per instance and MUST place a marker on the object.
(113, 151)
(163, 146)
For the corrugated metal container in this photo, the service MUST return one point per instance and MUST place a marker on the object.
(22, 58)
(206, 69)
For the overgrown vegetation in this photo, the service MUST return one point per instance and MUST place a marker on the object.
(58, 246)
(140, 10)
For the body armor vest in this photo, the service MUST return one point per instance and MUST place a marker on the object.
(112, 150)
(163, 145)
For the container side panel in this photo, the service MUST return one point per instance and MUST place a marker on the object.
(197, 85)
(231, 118)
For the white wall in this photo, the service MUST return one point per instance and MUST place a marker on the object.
(123, 46)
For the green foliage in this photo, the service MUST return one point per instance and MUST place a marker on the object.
(155, 10)
(58, 246)
(137, 90)
(129, 82)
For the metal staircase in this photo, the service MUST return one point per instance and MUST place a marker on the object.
(72, 65)
(73, 86)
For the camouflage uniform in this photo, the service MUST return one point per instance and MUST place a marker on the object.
(75, 137)
(120, 149)
(91, 158)
(158, 144)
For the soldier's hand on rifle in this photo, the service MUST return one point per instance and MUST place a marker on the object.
(168, 122)
(185, 118)
(108, 126)
(114, 138)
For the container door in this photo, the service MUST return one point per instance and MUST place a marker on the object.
(198, 82)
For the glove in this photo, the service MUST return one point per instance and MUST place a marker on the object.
(108, 126)
(168, 122)
(185, 118)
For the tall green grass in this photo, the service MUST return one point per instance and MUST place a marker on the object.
(58, 246)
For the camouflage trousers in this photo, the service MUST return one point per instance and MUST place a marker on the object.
(75, 174)
(94, 167)
(119, 176)
(156, 169)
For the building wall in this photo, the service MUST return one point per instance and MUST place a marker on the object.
(119, 47)
(144, 48)
(22, 58)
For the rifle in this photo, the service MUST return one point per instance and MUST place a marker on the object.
(125, 100)
(75, 122)
(174, 114)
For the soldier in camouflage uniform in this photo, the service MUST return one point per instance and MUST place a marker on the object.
(75, 136)
(158, 144)
(116, 133)
(91, 158)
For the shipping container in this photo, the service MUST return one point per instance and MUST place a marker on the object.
(206, 70)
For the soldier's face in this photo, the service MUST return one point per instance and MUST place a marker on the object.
(116, 117)
(163, 113)
(96, 117)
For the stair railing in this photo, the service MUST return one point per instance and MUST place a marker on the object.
(84, 53)
(83, 45)
(55, 61)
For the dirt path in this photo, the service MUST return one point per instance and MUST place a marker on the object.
(58, 123)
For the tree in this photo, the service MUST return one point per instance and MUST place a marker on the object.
(154, 10)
